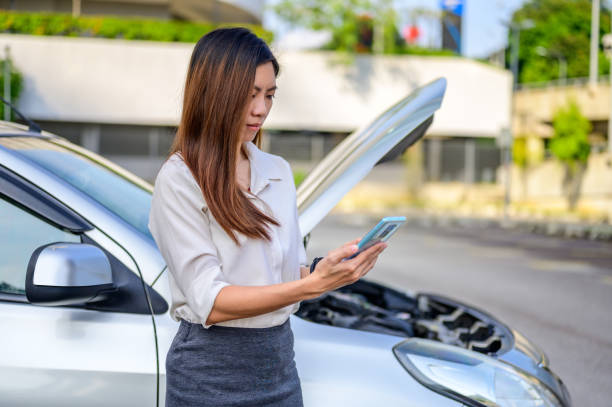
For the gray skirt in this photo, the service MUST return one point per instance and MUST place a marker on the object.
(226, 366)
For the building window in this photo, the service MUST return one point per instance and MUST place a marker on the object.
(469, 160)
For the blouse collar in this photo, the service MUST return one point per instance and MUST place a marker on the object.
(263, 169)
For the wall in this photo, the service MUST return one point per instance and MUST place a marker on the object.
(247, 11)
(545, 181)
(535, 108)
(134, 8)
(537, 191)
(136, 82)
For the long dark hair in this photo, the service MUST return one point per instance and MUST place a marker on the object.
(219, 80)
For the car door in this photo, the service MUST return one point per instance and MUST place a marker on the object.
(67, 355)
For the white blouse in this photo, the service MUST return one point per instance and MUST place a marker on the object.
(202, 258)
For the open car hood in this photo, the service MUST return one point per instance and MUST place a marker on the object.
(384, 139)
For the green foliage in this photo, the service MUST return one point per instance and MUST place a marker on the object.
(562, 27)
(519, 151)
(527, 151)
(414, 50)
(16, 87)
(571, 146)
(111, 27)
(570, 142)
(298, 177)
(351, 23)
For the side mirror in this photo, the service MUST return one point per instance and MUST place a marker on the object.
(67, 274)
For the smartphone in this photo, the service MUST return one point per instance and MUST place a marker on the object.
(379, 233)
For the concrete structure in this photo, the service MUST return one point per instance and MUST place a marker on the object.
(140, 82)
(535, 107)
(95, 91)
(541, 186)
(329, 93)
(237, 11)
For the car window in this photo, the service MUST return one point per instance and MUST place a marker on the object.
(112, 190)
(20, 234)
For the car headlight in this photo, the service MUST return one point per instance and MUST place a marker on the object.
(471, 378)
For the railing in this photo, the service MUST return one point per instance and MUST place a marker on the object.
(582, 81)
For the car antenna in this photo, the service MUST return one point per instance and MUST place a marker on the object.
(33, 127)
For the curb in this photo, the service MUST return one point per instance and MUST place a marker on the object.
(570, 230)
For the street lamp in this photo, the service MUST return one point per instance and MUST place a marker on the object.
(562, 62)
(515, 28)
(515, 32)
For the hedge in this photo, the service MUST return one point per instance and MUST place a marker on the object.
(112, 27)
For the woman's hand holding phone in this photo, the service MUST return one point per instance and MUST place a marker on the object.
(334, 270)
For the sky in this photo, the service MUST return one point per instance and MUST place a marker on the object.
(483, 28)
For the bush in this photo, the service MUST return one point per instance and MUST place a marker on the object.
(571, 146)
(112, 27)
(16, 86)
(415, 50)
(519, 151)
(298, 177)
(570, 142)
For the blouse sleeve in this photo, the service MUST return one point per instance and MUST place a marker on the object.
(181, 229)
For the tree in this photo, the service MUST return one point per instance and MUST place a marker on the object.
(562, 28)
(571, 146)
(353, 24)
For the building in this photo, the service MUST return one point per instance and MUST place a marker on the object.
(122, 99)
(535, 107)
(235, 11)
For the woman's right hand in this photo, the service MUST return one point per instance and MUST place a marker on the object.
(331, 272)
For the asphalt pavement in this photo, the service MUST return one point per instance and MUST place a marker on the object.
(554, 290)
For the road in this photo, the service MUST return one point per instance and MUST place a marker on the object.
(557, 292)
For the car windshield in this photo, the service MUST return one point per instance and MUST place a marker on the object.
(114, 188)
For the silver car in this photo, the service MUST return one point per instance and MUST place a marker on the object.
(84, 293)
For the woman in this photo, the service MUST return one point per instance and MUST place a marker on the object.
(224, 217)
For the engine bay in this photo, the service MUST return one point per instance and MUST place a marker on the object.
(372, 307)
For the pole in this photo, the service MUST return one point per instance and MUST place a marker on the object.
(7, 82)
(508, 170)
(514, 56)
(610, 115)
(378, 45)
(593, 63)
(508, 139)
(562, 71)
(76, 8)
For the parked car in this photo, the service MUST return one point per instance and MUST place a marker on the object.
(84, 293)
